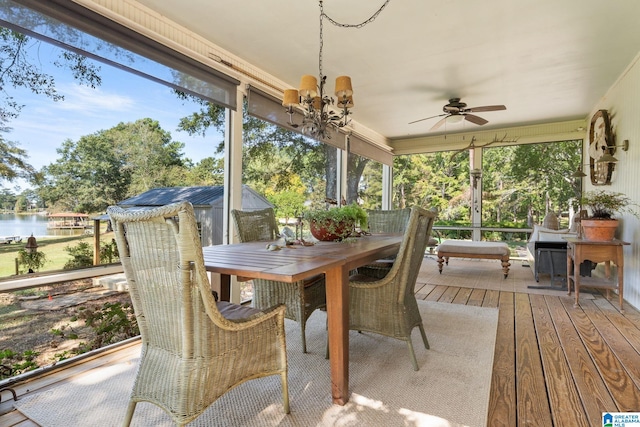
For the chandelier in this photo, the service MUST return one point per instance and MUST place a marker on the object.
(319, 114)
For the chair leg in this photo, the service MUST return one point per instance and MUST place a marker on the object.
(424, 337)
(285, 392)
(129, 414)
(304, 338)
(413, 355)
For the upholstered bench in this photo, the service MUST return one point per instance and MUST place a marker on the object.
(466, 249)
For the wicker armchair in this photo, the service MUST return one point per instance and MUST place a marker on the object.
(301, 298)
(193, 349)
(384, 221)
(388, 306)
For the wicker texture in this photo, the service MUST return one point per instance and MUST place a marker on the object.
(388, 306)
(302, 297)
(191, 353)
(384, 221)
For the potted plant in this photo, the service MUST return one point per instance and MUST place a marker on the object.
(336, 223)
(601, 224)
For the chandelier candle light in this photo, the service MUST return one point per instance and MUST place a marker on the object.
(317, 107)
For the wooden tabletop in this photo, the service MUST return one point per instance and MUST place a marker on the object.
(295, 262)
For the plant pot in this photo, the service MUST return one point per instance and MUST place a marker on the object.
(599, 230)
(329, 231)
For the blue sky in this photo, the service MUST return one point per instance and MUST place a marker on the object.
(122, 97)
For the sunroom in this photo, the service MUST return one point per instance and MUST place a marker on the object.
(553, 67)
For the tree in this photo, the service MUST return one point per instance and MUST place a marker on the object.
(208, 171)
(13, 163)
(148, 155)
(106, 167)
(20, 70)
(529, 180)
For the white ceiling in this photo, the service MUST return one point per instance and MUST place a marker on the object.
(546, 60)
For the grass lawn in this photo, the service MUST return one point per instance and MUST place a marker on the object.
(53, 247)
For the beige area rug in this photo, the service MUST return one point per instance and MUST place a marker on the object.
(487, 274)
(450, 389)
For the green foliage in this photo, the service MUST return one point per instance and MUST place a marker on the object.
(65, 331)
(112, 323)
(12, 363)
(603, 204)
(58, 357)
(109, 252)
(288, 204)
(31, 261)
(81, 256)
(529, 180)
(13, 162)
(350, 212)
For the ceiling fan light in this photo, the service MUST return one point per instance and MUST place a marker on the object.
(455, 118)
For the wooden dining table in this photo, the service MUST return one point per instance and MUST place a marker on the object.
(292, 263)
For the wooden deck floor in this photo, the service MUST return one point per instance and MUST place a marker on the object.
(554, 365)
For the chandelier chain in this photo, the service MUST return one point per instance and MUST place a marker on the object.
(360, 25)
(342, 25)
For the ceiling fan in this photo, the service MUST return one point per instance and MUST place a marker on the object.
(459, 110)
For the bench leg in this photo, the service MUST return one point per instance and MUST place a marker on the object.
(505, 266)
(440, 261)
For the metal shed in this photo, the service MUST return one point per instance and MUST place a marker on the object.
(207, 203)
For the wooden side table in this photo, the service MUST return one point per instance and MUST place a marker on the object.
(579, 250)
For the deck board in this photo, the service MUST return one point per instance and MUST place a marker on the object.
(593, 393)
(564, 400)
(502, 399)
(533, 404)
(622, 389)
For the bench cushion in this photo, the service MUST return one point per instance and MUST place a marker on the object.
(476, 248)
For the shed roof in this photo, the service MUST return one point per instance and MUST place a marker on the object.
(198, 196)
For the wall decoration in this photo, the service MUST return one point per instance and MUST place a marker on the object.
(600, 142)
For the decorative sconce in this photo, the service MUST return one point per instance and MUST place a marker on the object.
(579, 173)
(475, 174)
(607, 157)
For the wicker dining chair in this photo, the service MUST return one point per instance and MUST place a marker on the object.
(301, 298)
(388, 306)
(384, 221)
(193, 349)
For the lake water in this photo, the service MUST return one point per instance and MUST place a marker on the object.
(26, 225)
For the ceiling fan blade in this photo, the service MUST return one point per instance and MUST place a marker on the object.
(427, 118)
(486, 108)
(475, 119)
(439, 123)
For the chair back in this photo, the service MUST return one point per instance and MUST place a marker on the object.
(411, 253)
(388, 221)
(162, 258)
(255, 225)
